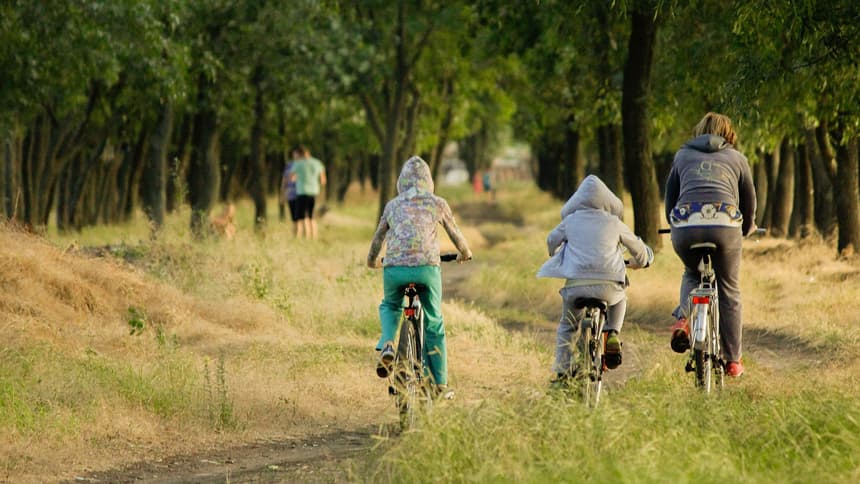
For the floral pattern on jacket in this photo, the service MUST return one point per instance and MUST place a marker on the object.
(409, 222)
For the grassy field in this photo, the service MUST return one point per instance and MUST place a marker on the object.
(117, 349)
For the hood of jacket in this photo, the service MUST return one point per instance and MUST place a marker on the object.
(708, 143)
(592, 193)
(415, 178)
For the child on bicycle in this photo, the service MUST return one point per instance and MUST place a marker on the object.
(586, 249)
(408, 227)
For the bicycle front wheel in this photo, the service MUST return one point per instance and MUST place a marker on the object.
(591, 359)
(407, 375)
(716, 351)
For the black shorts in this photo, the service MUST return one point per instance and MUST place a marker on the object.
(305, 206)
(294, 211)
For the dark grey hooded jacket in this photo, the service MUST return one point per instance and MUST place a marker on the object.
(709, 170)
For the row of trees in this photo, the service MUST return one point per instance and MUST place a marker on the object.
(627, 81)
(108, 106)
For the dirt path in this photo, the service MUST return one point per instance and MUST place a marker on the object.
(327, 457)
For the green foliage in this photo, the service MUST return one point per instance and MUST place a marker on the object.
(136, 320)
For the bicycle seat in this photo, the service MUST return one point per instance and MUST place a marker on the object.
(418, 287)
(707, 246)
(589, 302)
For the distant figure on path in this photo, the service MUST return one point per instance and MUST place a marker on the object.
(288, 191)
(309, 175)
(487, 180)
(477, 184)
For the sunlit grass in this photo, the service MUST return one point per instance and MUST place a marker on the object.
(266, 335)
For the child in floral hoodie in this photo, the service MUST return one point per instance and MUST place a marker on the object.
(408, 227)
(586, 249)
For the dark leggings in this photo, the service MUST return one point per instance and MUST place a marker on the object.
(726, 263)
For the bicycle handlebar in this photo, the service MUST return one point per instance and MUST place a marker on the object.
(443, 257)
(758, 231)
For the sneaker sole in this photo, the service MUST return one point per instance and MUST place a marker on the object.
(680, 341)
(383, 368)
(612, 356)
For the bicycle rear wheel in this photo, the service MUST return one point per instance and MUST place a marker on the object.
(702, 356)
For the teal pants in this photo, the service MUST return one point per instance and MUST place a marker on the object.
(394, 279)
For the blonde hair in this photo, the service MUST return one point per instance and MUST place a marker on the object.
(718, 124)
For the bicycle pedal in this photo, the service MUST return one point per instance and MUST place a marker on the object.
(689, 368)
(392, 391)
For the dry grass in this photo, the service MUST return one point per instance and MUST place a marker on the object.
(163, 347)
(269, 337)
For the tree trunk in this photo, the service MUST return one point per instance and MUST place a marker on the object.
(204, 174)
(573, 169)
(611, 157)
(847, 194)
(153, 182)
(760, 176)
(176, 189)
(79, 172)
(11, 184)
(444, 126)
(128, 179)
(256, 187)
(783, 197)
(802, 218)
(824, 172)
(637, 144)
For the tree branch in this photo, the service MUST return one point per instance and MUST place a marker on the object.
(372, 117)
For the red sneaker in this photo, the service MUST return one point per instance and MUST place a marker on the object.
(734, 369)
(680, 336)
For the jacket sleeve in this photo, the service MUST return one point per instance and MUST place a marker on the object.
(450, 225)
(640, 254)
(378, 238)
(555, 238)
(673, 189)
(746, 192)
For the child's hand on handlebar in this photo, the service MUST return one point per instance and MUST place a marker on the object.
(461, 258)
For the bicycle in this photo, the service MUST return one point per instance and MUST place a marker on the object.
(706, 360)
(589, 349)
(409, 382)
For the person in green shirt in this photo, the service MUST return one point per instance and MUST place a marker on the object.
(309, 176)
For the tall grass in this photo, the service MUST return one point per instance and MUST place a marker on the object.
(793, 417)
(655, 429)
(168, 345)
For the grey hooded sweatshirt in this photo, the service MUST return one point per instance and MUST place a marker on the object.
(709, 170)
(591, 236)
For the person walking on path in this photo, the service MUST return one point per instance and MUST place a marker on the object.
(288, 191)
(309, 176)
